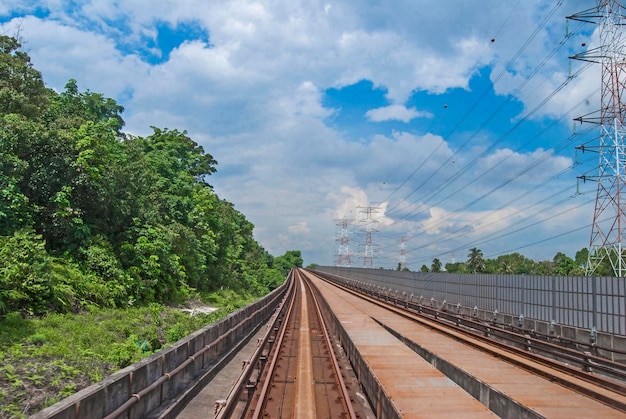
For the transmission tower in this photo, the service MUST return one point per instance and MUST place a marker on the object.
(609, 218)
(343, 251)
(403, 253)
(369, 226)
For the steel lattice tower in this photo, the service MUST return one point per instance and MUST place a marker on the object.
(403, 253)
(369, 226)
(343, 251)
(609, 218)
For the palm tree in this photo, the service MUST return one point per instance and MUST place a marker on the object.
(436, 266)
(505, 267)
(475, 260)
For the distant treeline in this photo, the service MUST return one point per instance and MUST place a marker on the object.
(516, 263)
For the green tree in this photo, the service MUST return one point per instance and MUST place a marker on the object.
(23, 97)
(72, 108)
(436, 265)
(475, 260)
(544, 267)
(514, 263)
(91, 215)
(505, 267)
(563, 265)
(457, 267)
(284, 263)
(582, 257)
(22, 90)
(33, 282)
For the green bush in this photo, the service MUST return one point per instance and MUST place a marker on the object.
(125, 353)
(24, 273)
(177, 332)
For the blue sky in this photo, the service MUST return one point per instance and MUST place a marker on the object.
(453, 119)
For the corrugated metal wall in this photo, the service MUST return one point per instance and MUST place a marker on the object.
(583, 302)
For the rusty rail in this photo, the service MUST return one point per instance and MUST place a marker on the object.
(227, 408)
(303, 375)
(344, 391)
(272, 366)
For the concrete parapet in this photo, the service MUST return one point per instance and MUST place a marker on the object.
(378, 399)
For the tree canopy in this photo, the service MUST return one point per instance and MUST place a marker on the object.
(92, 215)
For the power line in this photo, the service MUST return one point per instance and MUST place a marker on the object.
(449, 181)
(504, 70)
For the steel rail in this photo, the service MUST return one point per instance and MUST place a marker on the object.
(344, 390)
(304, 387)
(527, 338)
(528, 341)
(264, 390)
(226, 409)
(564, 374)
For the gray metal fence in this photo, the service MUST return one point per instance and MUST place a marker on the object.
(584, 302)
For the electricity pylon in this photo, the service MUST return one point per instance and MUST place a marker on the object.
(403, 253)
(609, 218)
(343, 251)
(369, 226)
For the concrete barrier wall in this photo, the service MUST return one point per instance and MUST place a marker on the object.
(155, 381)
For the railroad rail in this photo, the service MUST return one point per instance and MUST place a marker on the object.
(294, 372)
(600, 373)
(557, 347)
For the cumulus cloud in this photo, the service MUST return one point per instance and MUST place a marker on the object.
(252, 93)
(395, 112)
(90, 58)
(301, 227)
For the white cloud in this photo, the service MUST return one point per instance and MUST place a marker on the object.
(395, 112)
(300, 228)
(253, 97)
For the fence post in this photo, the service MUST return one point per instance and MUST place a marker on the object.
(553, 299)
(594, 303)
(523, 305)
(497, 291)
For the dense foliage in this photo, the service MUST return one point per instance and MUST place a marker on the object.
(45, 359)
(90, 215)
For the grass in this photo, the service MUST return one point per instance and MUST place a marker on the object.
(43, 360)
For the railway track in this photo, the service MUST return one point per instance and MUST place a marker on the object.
(594, 377)
(393, 357)
(554, 347)
(407, 357)
(296, 372)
